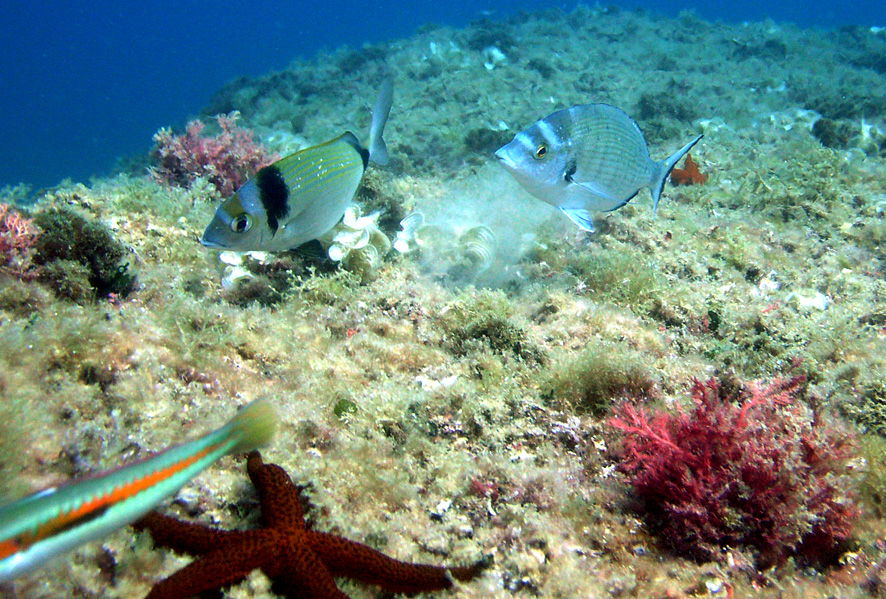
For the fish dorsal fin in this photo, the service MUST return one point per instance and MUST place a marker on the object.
(378, 150)
(580, 217)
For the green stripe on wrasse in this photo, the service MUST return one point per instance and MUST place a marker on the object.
(302, 196)
(45, 524)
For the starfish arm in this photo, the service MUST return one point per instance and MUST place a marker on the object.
(303, 574)
(301, 563)
(361, 562)
(227, 565)
(183, 537)
(279, 497)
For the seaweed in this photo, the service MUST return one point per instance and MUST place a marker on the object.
(486, 141)
(486, 33)
(377, 194)
(869, 409)
(872, 489)
(751, 474)
(833, 134)
(600, 374)
(74, 251)
(486, 318)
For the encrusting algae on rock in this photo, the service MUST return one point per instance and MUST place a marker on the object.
(455, 403)
(689, 174)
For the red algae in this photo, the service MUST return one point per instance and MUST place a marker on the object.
(758, 473)
(689, 175)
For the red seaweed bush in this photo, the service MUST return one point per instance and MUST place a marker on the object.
(227, 160)
(17, 238)
(754, 470)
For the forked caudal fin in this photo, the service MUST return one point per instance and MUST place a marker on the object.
(664, 171)
(378, 150)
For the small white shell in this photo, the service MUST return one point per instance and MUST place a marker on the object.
(234, 274)
(232, 258)
(352, 239)
(337, 252)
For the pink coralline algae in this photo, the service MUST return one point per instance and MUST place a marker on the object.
(17, 238)
(226, 160)
(749, 469)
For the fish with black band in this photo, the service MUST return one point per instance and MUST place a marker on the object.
(302, 196)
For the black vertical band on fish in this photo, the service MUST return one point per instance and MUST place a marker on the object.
(274, 195)
(302, 196)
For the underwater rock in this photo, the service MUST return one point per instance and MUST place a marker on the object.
(833, 134)
(377, 193)
(74, 251)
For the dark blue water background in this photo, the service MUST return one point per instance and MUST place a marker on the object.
(84, 83)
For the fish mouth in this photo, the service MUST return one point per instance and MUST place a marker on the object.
(213, 245)
(504, 158)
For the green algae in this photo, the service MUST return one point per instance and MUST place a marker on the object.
(79, 255)
(873, 486)
(486, 318)
(591, 380)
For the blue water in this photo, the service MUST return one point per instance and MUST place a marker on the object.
(83, 84)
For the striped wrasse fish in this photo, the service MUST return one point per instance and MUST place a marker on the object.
(302, 196)
(45, 524)
(585, 159)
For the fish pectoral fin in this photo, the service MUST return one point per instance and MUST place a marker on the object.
(580, 217)
(597, 191)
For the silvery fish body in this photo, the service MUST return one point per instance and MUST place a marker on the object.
(299, 197)
(586, 159)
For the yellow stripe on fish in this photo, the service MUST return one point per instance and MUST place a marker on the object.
(302, 196)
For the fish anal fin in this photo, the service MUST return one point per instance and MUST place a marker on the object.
(623, 202)
(580, 217)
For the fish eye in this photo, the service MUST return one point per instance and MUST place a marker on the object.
(241, 223)
(541, 151)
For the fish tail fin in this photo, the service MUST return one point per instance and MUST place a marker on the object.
(664, 170)
(378, 150)
(253, 426)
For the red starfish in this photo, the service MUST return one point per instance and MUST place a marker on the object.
(301, 562)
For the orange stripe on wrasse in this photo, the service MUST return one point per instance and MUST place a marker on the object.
(87, 510)
(9, 547)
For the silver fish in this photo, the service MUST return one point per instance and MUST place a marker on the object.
(586, 159)
(302, 196)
